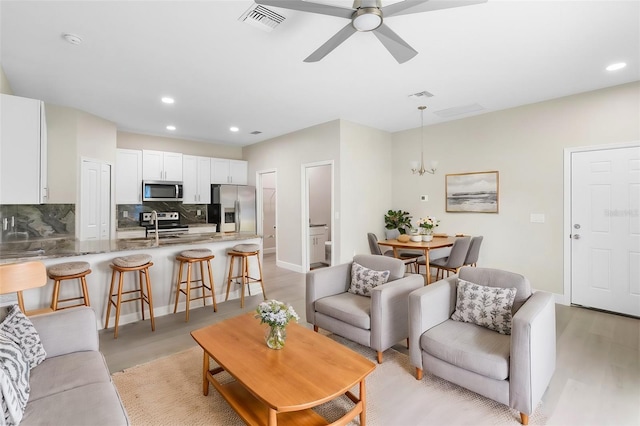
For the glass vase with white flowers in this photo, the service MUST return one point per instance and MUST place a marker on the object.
(427, 224)
(277, 315)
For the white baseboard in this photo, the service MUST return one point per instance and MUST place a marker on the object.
(290, 266)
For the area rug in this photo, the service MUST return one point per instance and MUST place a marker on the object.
(168, 391)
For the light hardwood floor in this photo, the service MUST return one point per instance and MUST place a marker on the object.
(596, 382)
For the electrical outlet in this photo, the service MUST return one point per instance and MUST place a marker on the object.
(198, 212)
(424, 198)
(125, 214)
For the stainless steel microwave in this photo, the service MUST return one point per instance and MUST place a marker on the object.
(153, 190)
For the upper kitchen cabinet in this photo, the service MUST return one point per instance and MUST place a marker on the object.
(160, 165)
(196, 179)
(23, 151)
(225, 171)
(128, 176)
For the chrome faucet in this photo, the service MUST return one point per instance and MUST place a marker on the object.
(154, 219)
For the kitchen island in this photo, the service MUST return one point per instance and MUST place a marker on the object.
(98, 254)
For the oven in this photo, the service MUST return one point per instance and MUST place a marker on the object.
(168, 224)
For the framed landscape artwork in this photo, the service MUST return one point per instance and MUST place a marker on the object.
(472, 192)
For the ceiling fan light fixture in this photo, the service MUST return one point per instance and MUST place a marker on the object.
(367, 19)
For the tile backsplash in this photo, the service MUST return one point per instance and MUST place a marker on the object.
(58, 220)
(39, 220)
(188, 212)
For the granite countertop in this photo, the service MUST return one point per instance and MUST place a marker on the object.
(46, 248)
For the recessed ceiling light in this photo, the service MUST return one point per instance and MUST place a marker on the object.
(616, 66)
(234, 129)
(171, 127)
(167, 100)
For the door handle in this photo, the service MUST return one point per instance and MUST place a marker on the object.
(576, 236)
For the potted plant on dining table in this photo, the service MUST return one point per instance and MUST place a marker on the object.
(426, 225)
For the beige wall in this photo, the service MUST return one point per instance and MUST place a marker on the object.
(71, 135)
(526, 146)
(137, 141)
(96, 138)
(5, 87)
(365, 186)
(287, 154)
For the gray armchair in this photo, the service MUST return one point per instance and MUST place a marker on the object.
(514, 370)
(379, 321)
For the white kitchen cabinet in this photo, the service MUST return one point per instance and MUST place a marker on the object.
(23, 151)
(317, 238)
(162, 166)
(128, 176)
(225, 171)
(196, 178)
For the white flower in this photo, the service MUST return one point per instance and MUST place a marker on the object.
(276, 313)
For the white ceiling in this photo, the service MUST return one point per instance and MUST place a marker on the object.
(223, 72)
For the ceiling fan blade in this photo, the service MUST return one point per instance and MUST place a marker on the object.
(417, 6)
(398, 48)
(305, 6)
(335, 41)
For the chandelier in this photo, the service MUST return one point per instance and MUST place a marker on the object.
(414, 164)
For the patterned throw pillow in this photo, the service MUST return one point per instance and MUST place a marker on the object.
(488, 307)
(364, 279)
(18, 328)
(14, 381)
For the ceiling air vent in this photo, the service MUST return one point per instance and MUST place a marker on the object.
(256, 132)
(261, 17)
(423, 94)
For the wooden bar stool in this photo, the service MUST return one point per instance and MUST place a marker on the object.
(69, 271)
(201, 256)
(244, 251)
(120, 265)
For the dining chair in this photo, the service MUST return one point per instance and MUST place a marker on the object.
(409, 260)
(453, 262)
(474, 251)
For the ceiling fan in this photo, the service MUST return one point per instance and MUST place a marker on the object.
(368, 15)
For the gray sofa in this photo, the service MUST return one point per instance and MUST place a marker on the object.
(72, 386)
(514, 369)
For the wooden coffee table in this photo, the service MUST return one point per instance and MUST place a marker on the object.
(281, 386)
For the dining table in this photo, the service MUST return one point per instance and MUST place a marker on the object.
(437, 242)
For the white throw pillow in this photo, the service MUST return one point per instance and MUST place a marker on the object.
(14, 381)
(488, 307)
(364, 279)
(18, 328)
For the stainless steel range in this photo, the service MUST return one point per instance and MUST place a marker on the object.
(168, 224)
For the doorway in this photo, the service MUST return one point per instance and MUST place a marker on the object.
(266, 183)
(603, 235)
(318, 248)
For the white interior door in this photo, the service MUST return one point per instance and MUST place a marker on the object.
(605, 220)
(105, 201)
(95, 196)
(268, 203)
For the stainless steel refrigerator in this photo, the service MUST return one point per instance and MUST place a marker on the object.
(233, 208)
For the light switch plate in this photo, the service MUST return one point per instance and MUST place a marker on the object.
(536, 218)
(125, 213)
